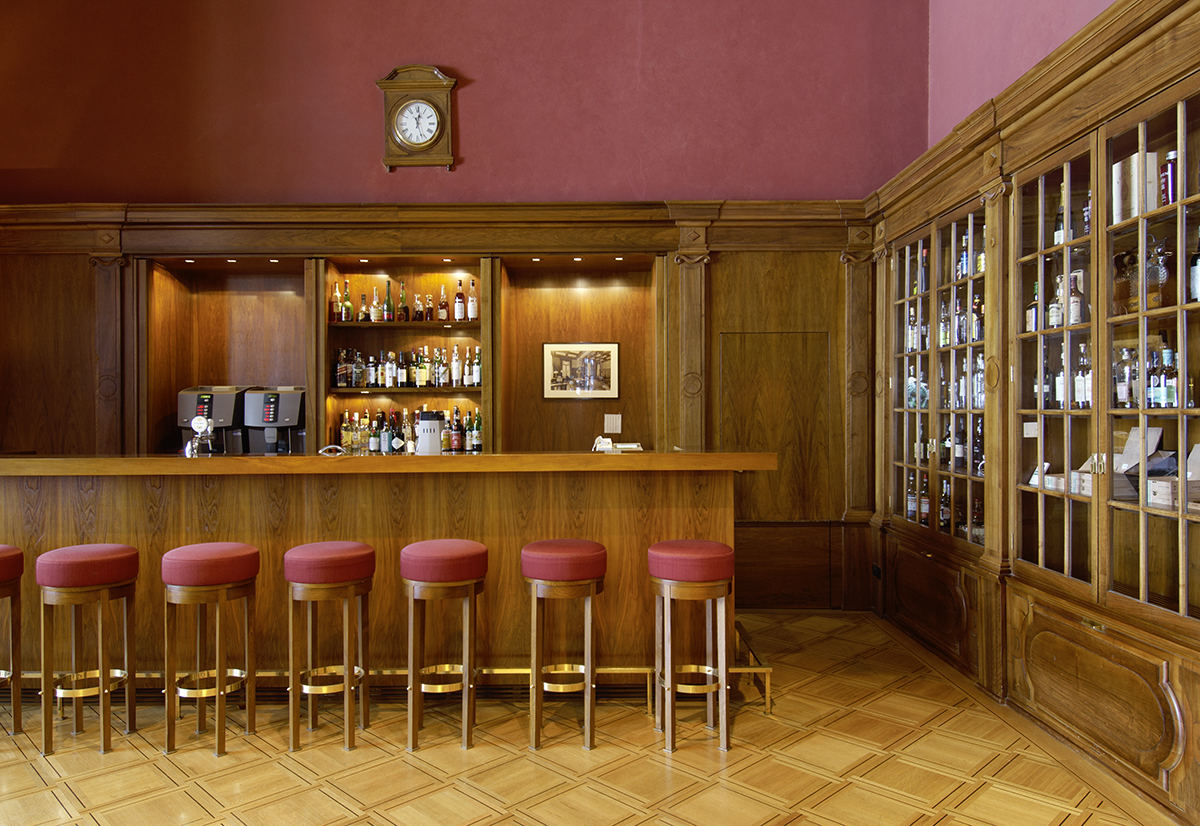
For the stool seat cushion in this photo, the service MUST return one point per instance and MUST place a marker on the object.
(210, 563)
(564, 560)
(444, 560)
(12, 563)
(691, 560)
(86, 566)
(319, 563)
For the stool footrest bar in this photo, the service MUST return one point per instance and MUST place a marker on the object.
(116, 679)
(307, 686)
(189, 684)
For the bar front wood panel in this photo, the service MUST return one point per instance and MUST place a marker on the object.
(627, 511)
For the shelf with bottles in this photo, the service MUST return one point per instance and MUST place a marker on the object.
(1154, 165)
(424, 295)
(377, 431)
(419, 370)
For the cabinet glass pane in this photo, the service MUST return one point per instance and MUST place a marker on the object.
(1054, 394)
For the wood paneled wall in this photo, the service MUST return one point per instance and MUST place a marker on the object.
(47, 355)
(539, 307)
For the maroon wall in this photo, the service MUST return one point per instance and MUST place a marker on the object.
(977, 48)
(274, 101)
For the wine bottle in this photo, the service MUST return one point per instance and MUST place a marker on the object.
(1194, 273)
(389, 309)
(335, 304)
(1170, 379)
(460, 304)
(418, 313)
(923, 501)
(376, 311)
(443, 307)
(910, 497)
(402, 307)
(944, 508)
(347, 307)
(472, 304)
(364, 314)
(456, 371)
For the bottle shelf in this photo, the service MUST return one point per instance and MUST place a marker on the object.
(408, 326)
(402, 391)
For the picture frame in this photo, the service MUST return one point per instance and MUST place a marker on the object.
(580, 370)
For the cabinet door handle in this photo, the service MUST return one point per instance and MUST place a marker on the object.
(1092, 624)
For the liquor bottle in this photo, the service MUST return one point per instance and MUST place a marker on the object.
(910, 497)
(977, 521)
(977, 314)
(339, 371)
(456, 371)
(1076, 303)
(410, 442)
(911, 343)
(418, 313)
(376, 308)
(422, 370)
(961, 399)
(389, 308)
(944, 324)
(1051, 382)
(923, 501)
(977, 456)
(460, 304)
(402, 307)
(364, 314)
(346, 441)
(919, 453)
(391, 371)
(1125, 376)
(1156, 278)
(359, 371)
(946, 448)
(372, 372)
(335, 304)
(960, 445)
(1081, 393)
(961, 321)
(923, 272)
(978, 396)
(1054, 310)
(478, 440)
(364, 433)
(468, 434)
(472, 304)
(456, 434)
(446, 433)
(1166, 179)
(944, 508)
(1031, 311)
(1153, 380)
(1170, 379)
(443, 310)
(347, 307)
(477, 370)
(373, 439)
(355, 436)
(385, 435)
(1194, 273)
(1059, 227)
(963, 269)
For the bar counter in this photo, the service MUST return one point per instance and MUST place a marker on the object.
(626, 501)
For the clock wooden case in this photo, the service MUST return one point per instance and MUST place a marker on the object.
(417, 117)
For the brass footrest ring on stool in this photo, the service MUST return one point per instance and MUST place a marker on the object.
(564, 686)
(309, 687)
(189, 684)
(438, 686)
(696, 688)
(116, 678)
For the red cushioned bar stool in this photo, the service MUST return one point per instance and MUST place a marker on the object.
(12, 567)
(80, 575)
(210, 573)
(692, 569)
(561, 569)
(324, 571)
(441, 569)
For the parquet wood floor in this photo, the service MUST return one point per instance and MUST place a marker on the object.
(866, 729)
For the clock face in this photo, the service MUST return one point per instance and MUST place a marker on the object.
(417, 124)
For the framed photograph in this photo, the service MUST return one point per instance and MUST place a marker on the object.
(579, 370)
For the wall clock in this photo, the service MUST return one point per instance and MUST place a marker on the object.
(417, 117)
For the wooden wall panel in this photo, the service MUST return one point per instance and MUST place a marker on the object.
(47, 355)
(540, 307)
(170, 356)
(936, 601)
(627, 511)
(783, 566)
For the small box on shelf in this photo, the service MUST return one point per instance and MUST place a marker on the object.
(1164, 491)
(1125, 479)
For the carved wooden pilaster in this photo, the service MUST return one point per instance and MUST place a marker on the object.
(109, 372)
(691, 329)
(860, 368)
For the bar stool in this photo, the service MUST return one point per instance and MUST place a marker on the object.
(324, 571)
(209, 573)
(441, 569)
(12, 567)
(691, 569)
(559, 569)
(80, 575)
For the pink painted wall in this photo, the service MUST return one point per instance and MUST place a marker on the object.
(977, 48)
(274, 101)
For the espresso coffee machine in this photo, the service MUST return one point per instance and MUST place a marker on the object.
(220, 404)
(274, 419)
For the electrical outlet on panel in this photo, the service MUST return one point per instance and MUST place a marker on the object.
(612, 422)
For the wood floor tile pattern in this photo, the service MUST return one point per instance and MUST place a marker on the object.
(867, 728)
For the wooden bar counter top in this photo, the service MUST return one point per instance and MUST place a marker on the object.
(626, 501)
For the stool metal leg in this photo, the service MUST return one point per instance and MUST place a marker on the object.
(169, 625)
(589, 675)
(349, 657)
(364, 655)
(724, 637)
(105, 695)
(295, 651)
(468, 698)
(201, 661)
(14, 653)
(219, 712)
(47, 679)
(416, 658)
(130, 668)
(311, 636)
(710, 659)
(537, 620)
(658, 662)
(668, 673)
(251, 614)
(77, 665)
